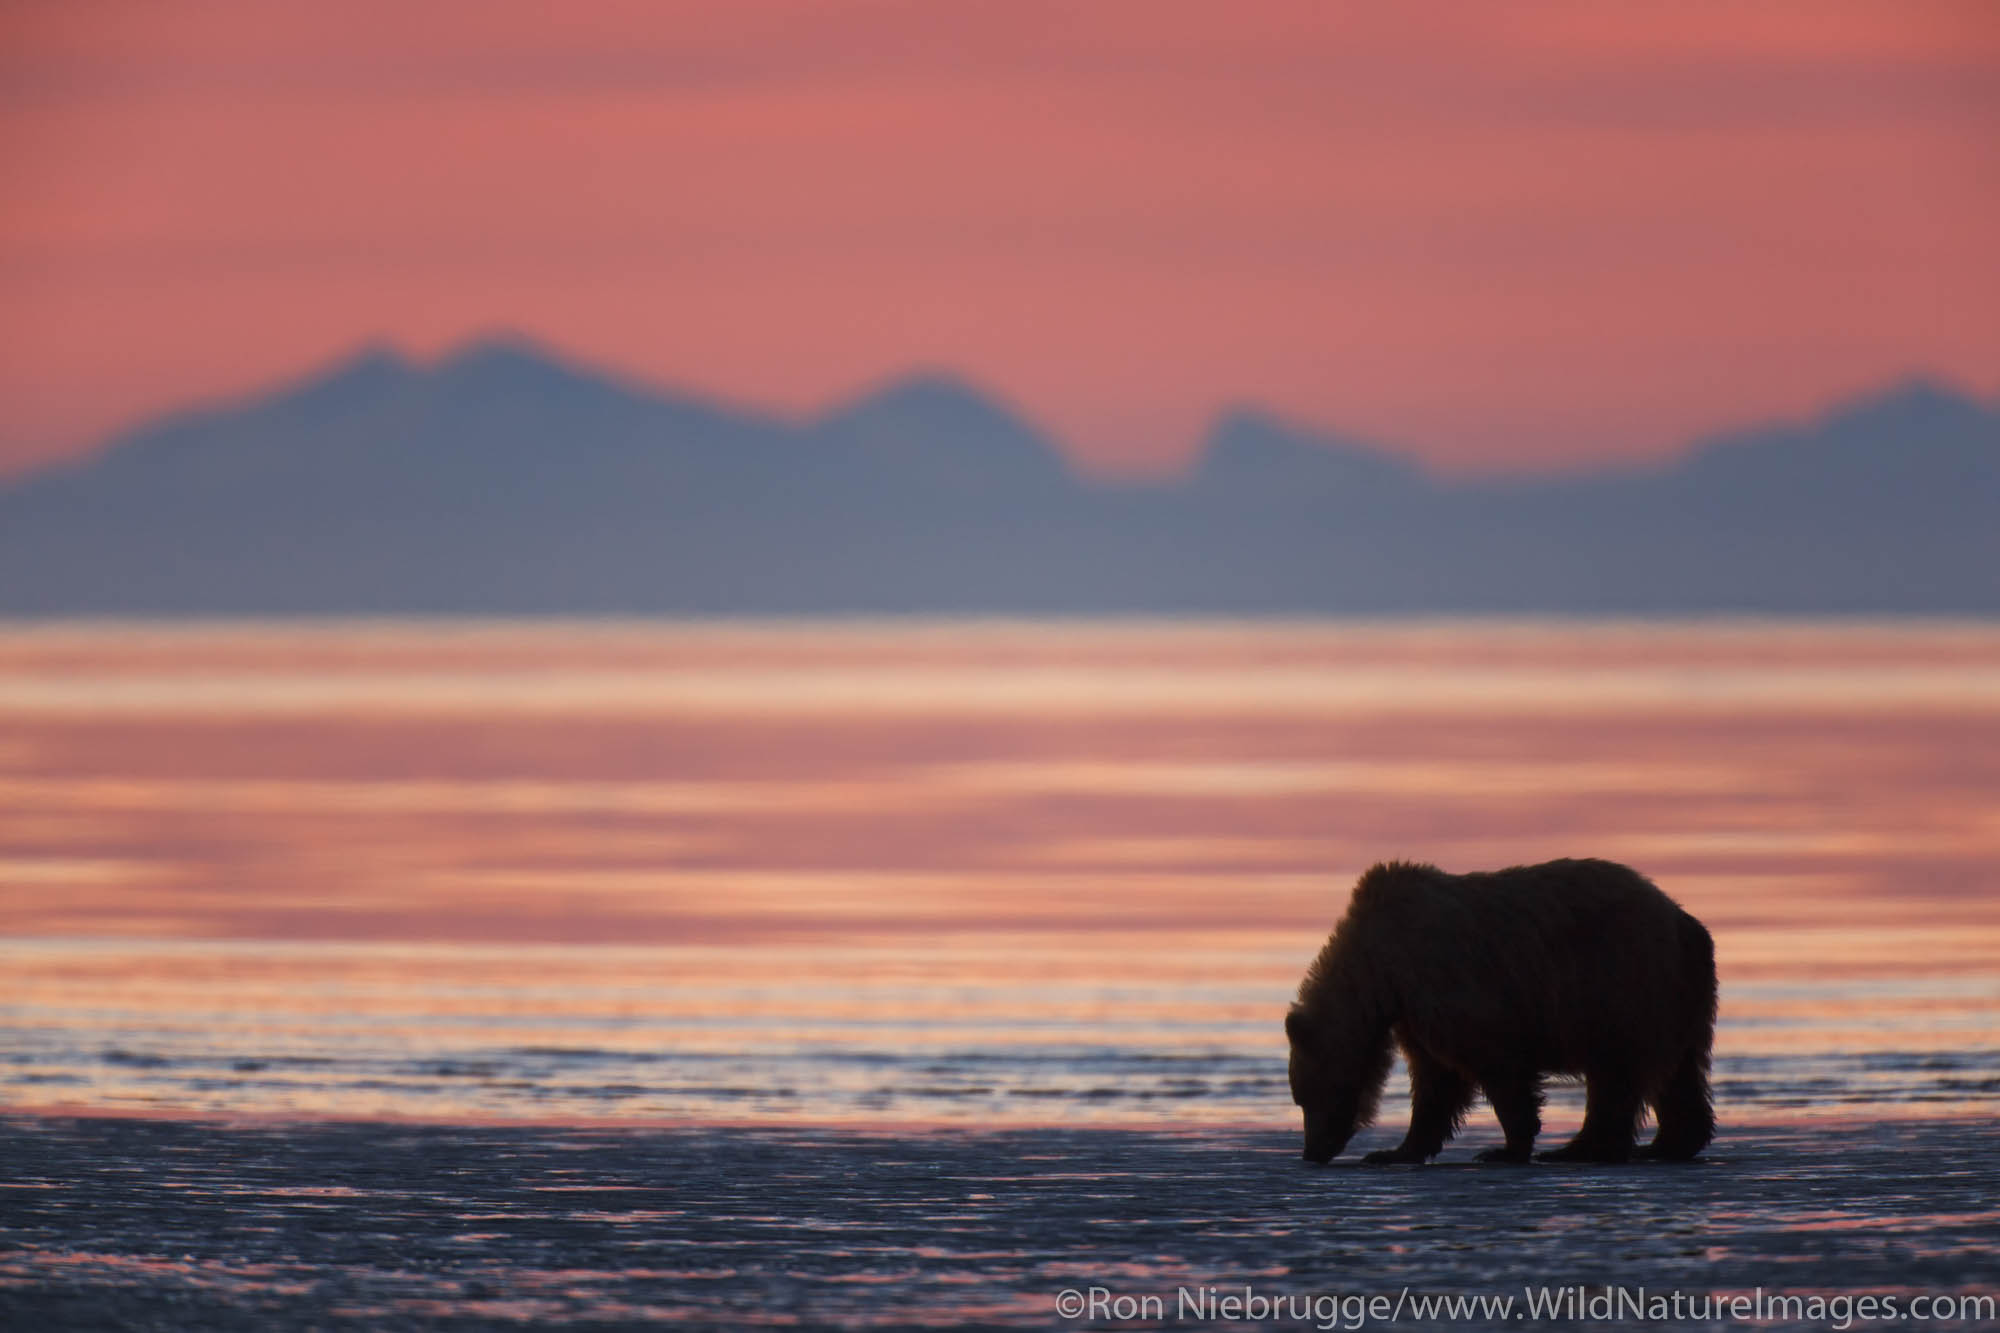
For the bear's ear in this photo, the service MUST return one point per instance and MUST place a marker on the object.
(1297, 1025)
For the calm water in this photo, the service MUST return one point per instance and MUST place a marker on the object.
(988, 875)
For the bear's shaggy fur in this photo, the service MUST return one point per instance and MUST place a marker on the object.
(1489, 981)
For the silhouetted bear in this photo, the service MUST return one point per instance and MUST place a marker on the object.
(1489, 981)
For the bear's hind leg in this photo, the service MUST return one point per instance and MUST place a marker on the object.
(1439, 1098)
(1610, 1119)
(1517, 1101)
(1685, 1111)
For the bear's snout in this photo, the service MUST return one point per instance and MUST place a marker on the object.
(1323, 1138)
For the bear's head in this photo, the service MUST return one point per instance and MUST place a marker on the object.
(1335, 1081)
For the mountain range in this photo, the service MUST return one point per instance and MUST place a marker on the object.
(504, 480)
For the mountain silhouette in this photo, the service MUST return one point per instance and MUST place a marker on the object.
(507, 480)
(1254, 456)
(934, 432)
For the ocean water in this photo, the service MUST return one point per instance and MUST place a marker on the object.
(979, 875)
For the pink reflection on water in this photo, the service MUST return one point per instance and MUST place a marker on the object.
(811, 829)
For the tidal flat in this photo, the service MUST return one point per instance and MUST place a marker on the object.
(146, 1223)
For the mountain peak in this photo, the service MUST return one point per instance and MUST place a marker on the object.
(1914, 434)
(499, 357)
(372, 360)
(371, 370)
(1919, 402)
(940, 427)
(514, 371)
(929, 393)
(375, 355)
(502, 348)
(1251, 448)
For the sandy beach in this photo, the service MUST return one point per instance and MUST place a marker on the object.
(139, 1223)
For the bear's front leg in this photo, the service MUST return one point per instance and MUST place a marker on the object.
(1439, 1099)
(1517, 1101)
(1610, 1118)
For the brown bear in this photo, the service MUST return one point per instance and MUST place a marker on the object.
(1489, 981)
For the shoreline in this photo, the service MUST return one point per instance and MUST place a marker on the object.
(1283, 1121)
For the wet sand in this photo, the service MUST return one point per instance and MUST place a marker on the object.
(136, 1223)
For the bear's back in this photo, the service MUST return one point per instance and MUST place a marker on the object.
(1574, 953)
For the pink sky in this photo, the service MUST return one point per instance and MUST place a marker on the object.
(1499, 236)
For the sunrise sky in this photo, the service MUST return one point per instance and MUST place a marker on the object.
(1500, 236)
